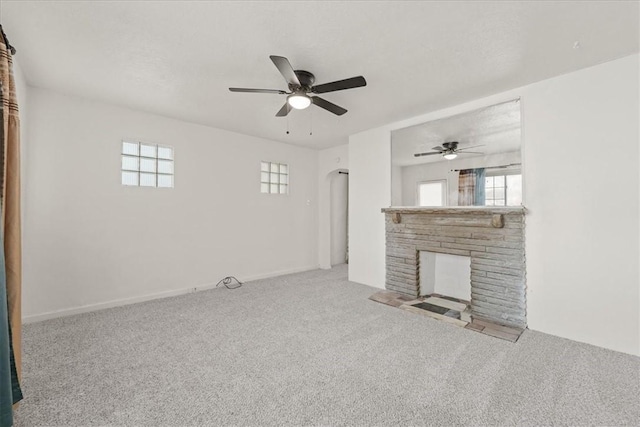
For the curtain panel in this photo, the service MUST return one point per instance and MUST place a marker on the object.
(471, 187)
(6, 373)
(10, 198)
(10, 235)
(10, 392)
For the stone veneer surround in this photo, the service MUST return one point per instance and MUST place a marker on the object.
(492, 237)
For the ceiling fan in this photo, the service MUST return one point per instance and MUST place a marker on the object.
(301, 85)
(449, 150)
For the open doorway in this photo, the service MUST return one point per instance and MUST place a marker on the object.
(339, 217)
(469, 159)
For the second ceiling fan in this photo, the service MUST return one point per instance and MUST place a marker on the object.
(300, 84)
(449, 150)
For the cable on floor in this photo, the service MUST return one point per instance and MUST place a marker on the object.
(228, 281)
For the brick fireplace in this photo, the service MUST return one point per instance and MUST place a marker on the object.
(493, 238)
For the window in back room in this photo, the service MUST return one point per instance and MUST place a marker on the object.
(432, 193)
(504, 189)
(477, 152)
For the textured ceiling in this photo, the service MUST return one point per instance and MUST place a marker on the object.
(494, 129)
(178, 58)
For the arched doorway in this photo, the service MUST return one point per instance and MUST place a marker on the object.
(339, 216)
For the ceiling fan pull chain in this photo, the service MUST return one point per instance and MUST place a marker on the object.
(311, 122)
(287, 125)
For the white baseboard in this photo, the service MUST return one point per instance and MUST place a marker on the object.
(280, 273)
(166, 294)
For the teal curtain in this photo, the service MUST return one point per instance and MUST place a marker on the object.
(479, 197)
(9, 388)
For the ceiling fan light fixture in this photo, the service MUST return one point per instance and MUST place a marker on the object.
(299, 101)
(450, 156)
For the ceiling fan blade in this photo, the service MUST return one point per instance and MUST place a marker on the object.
(426, 154)
(329, 106)
(340, 85)
(468, 152)
(286, 108)
(242, 89)
(285, 69)
(473, 146)
(439, 148)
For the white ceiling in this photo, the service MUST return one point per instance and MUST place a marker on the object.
(178, 58)
(495, 129)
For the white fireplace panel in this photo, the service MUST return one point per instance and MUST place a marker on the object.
(445, 274)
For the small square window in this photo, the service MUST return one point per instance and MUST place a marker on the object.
(146, 165)
(274, 178)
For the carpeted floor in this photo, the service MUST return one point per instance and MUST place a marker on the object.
(309, 349)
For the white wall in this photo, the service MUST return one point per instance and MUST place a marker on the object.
(339, 216)
(582, 232)
(397, 185)
(369, 191)
(582, 146)
(89, 241)
(410, 176)
(330, 161)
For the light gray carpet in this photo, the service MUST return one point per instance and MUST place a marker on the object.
(309, 349)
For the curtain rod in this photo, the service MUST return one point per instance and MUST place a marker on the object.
(490, 167)
(6, 41)
(344, 173)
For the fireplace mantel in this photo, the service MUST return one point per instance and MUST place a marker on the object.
(492, 237)
(459, 210)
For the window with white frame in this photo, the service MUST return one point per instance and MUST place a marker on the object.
(504, 189)
(432, 193)
(274, 178)
(147, 165)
